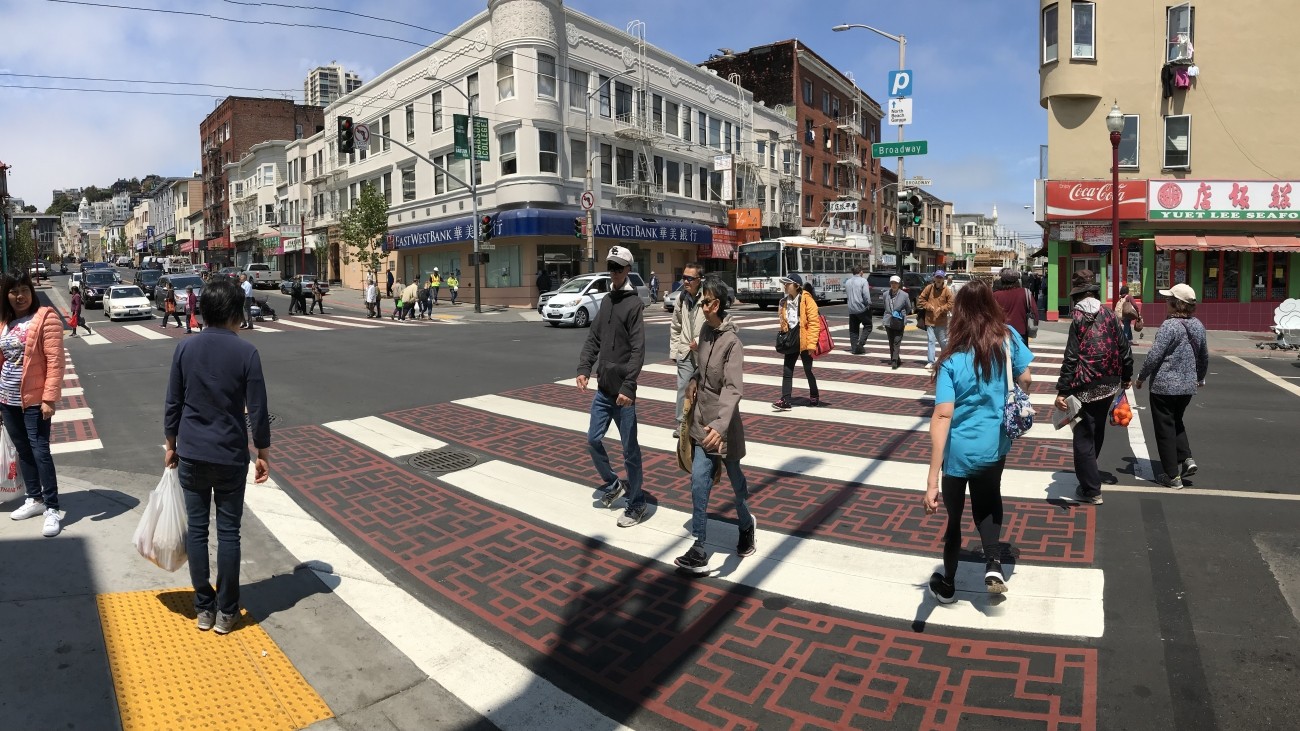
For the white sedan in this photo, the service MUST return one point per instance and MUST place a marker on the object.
(126, 300)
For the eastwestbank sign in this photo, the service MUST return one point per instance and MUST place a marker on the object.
(547, 222)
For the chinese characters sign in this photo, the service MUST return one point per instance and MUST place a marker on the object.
(1240, 200)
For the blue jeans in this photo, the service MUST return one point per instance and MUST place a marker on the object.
(203, 482)
(702, 467)
(603, 411)
(935, 336)
(31, 437)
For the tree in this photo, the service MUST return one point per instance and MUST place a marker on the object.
(61, 205)
(29, 209)
(364, 229)
(22, 249)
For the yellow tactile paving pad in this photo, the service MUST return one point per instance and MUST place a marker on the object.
(169, 676)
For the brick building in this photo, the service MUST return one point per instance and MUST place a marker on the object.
(837, 122)
(226, 135)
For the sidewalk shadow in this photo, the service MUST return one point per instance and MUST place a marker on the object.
(260, 599)
(96, 505)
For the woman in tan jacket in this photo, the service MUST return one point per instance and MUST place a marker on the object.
(798, 310)
(715, 424)
(31, 386)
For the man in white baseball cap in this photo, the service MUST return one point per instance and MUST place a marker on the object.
(616, 347)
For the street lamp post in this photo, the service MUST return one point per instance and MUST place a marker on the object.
(1115, 124)
(591, 228)
(901, 40)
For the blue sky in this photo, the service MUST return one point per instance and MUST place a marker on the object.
(976, 88)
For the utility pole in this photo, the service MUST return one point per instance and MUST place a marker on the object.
(4, 216)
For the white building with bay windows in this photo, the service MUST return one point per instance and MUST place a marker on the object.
(537, 72)
(254, 203)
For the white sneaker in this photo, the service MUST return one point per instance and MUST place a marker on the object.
(929, 366)
(30, 509)
(53, 523)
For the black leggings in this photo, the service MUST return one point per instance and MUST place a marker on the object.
(985, 507)
(787, 374)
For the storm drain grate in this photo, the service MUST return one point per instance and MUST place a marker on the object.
(442, 461)
(270, 418)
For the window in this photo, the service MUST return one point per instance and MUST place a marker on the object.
(506, 77)
(826, 174)
(548, 151)
(1128, 143)
(1084, 36)
(809, 136)
(410, 123)
(715, 185)
(670, 118)
(471, 90)
(672, 177)
(808, 91)
(440, 177)
(807, 169)
(703, 128)
(388, 188)
(1180, 25)
(1222, 280)
(686, 123)
(437, 111)
(268, 213)
(688, 180)
(835, 107)
(623, 165)
(578, 158)
(622, 100)
(408, 184)
(606, 164)
(1050, 33)
(545, 76)
(1178, 142)
(789, 162)
(386, 130)
(506, 268)
(657, 110)
(807, 207)
(826, 103)
(704, 184)
(578, 88)
(658, 170)
(604, 96)
(715, 133)
(1268, 284)
(509, 164)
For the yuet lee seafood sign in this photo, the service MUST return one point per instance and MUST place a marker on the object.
(1084, 200)
(1224, 200)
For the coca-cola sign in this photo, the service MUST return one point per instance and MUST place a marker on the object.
(1082, 200)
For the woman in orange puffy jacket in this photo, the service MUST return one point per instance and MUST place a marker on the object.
(798, 309)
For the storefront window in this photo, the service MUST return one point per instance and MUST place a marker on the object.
(1162, 270)
(503, 270)
(1268, 279)
(561, 262)
(1222, 277)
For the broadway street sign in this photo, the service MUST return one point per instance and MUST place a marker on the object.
(899, 149)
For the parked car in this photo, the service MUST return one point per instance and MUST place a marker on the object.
(577, 300)
(879, 283)
(126, 300)
(262, 276)
(96, 283)
(124, 261)
(286, 287)
(179, 282)
(670, 299)
(74, 280)
(231, 272)
(39, 271)
(146, 280)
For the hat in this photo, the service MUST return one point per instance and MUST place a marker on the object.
(620, 256)
(1181, 292)
(435, 269)
(792, 279)
(940, 274)
(1083, 281)
(1010, 275)
(895, 278)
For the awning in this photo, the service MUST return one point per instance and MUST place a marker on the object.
(189, 246)
(1180, 243)
(1211, 242)
(717, 250)
(1277, 243)
(1230, 243)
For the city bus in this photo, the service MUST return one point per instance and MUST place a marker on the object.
(761, 264)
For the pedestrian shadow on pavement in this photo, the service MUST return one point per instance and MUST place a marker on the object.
(95, 505)
(261, 599)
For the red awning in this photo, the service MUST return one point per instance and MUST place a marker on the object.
(1277, 243)
(1222, 242)
(189, 246)
(717, 250)
(1180, 243)
(1217, 242)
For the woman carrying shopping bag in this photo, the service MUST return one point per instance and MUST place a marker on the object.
(968, 441)
(191, 310)
(1177, 365)
(31, 386)
(78, 317)
(798, 313)
(215, 394)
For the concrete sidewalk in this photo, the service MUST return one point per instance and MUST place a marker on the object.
(1221, 342)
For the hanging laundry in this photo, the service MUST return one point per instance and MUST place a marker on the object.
(1167, 80)
(1181, 80)
(1193, 71)
(1182, 47)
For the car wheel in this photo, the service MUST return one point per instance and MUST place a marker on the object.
(581, 318)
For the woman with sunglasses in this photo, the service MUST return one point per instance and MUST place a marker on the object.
(715, 424)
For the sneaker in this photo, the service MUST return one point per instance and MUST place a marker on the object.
(745, 546)
(1174, 482)
(1083, 497)
(612, 493)
(993, 578)
(225, 623)
(207, 618)
(696, 561)
(53, 523)
(942, 590)
(782, 405)
(677, 432)
(929, 366)
(1189, 468)
(632, 516)
(29, 509)
(895, 365)
(814, 401)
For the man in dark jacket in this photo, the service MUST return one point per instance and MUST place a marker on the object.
(543, 282)
(390, 283)
(616, 348)
(1097, 365)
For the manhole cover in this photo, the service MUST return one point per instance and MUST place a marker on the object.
(442, 461)
(271, 419)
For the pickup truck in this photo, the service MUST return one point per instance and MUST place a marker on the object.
(263, 276)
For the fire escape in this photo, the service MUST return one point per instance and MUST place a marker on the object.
(848, 164)
(214, 185)
(749, 192)
(643, 189)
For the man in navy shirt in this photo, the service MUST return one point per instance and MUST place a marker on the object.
(215, 395)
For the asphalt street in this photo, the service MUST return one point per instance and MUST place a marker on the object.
(1198, 625)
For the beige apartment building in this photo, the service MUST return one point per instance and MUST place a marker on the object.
(1208, 158)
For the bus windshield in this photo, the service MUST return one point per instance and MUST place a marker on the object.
(759, 260)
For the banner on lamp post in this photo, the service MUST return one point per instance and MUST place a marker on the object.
(482, 151)
(460, 136)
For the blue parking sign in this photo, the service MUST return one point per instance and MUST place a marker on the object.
(900, 83)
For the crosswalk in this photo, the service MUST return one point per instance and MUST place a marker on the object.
(107, 333)
(73, 427)
(845, 549)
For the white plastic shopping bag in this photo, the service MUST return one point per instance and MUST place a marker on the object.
(11, 485)
(160, 537)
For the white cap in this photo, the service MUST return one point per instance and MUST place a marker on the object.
(620, 256)
(1181, 292)
(895, 278)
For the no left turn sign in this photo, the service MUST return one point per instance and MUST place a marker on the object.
(588, 200)
(361, 133)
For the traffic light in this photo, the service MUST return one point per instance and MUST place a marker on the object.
(904, 206)
(577, 228)
(907, 245)
(485, 229)
(918, 209)
(346, 141)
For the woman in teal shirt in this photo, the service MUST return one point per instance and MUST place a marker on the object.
(968, 444)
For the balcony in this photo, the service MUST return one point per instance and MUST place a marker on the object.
(317, 175)
(643, 190)
(849, 159)
(637, 127)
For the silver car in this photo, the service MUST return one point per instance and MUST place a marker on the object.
(577, 300)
